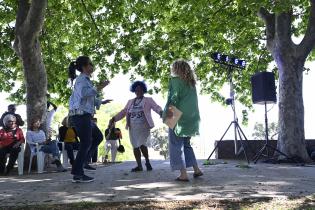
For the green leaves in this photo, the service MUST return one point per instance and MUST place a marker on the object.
(145, 37)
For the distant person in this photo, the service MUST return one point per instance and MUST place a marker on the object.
(12, 110)
(112, 135)
(69, 136)
(47, 145)
(183, 95)
(11, 138)
(50, 112)
(82, 105)
(139, 122)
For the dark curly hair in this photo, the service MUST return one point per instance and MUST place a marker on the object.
(138, 83)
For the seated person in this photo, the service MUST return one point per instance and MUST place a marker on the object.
(35, 135)
(112, 135)
(69, 136)
(11, 138)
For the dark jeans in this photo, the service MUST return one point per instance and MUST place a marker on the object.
(51, 148)
(97, 138)
(14, 153)
(69, 147)
(83, 127)
(94, 157)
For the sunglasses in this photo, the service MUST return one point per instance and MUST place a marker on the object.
(11, 121)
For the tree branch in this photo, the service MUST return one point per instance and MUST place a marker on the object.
(308, 42)
(22, 12)
(283, 26)
(35, 18)
(221, 8)
(21, 15)
(269, 20)
(92, 18)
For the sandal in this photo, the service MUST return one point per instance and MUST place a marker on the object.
(149, 167)
(181, 180)
(198, 174)
(137, 169)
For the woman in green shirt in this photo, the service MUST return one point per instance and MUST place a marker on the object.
(183, 95)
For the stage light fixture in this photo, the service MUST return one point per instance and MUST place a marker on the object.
(234, 61)
(227, 60)
(242, 63)
(216, 56)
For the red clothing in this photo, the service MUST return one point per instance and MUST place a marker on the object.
(7, 138)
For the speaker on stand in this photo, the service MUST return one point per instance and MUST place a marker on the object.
(264, 92)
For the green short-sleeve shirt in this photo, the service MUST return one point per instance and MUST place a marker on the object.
(184, 97)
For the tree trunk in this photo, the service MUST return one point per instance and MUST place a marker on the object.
(291, 139)
(35, 80)
(29, 22)
(290, 59)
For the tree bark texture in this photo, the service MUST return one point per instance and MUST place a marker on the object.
(291, 138)
(290, 59)
(29, 21)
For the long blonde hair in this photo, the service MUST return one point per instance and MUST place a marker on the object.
(182, 69)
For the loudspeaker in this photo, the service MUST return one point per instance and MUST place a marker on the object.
(263, 88)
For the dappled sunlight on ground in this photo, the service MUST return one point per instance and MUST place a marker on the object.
(117, 183)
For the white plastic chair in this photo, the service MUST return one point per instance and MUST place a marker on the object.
(40, 158)
(20, 159)
(64, 157)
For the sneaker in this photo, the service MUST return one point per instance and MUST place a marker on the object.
(89, 168)
(137, 169)
(60, 168)
(82, 179)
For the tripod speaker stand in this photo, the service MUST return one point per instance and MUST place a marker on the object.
(264, 92)
(267, 145)
(239, 135)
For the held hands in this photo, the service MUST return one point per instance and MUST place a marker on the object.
(169, 113)
(107, 101)
(111, 122)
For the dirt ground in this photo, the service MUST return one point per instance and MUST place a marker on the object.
(223, 186)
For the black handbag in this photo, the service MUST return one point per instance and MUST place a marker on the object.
(121, 148)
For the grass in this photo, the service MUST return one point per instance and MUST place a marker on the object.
(212, 162)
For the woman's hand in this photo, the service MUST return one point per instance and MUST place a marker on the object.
(169, 113)
(111, 121)
(107, 101)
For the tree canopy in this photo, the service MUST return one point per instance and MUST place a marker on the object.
(144, 37)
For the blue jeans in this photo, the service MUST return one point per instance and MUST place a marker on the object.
(83, 127)
(182, 154)
(51, 148)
